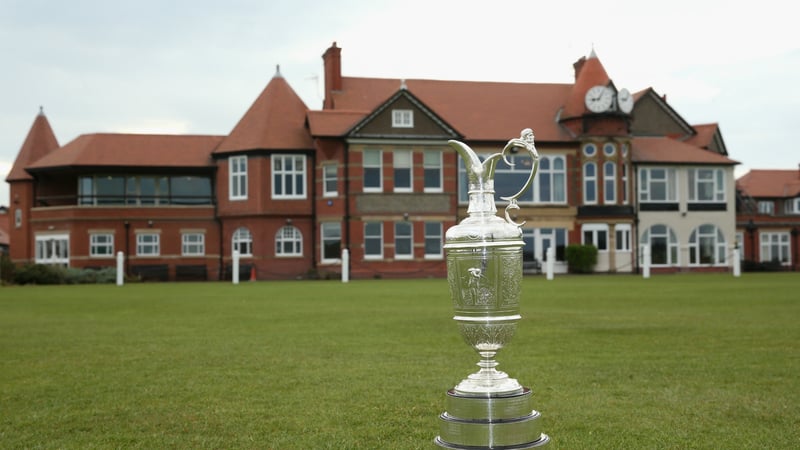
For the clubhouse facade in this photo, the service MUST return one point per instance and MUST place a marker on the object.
(371, 172)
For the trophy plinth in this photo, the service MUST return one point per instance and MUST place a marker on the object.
(488, 409)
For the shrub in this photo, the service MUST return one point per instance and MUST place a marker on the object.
(39, 274)
(581, 258)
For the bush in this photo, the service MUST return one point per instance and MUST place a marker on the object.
(581, 258)
(39, 274)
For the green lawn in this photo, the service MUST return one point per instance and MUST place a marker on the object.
(676, 361)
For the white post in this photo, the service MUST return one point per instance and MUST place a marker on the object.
(235, 275)
(120, 268)
(737, 263)
(646, 263)
(551, 262)
(345, 265)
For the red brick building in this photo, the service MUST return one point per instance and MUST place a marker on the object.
(768, 224)
(371, 172)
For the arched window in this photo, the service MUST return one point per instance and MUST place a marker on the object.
(243, 241)
(663, 245)
(289, 241)
(707, 245)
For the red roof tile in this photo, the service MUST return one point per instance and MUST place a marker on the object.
(704, 135)
(142, 150)
(275, 120)
(664, 150)
(770, 183)
(332, 123)
(39, 142)
(480, 111)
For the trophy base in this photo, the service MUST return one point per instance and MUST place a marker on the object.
(496, 422)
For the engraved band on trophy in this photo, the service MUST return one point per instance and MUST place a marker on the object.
(488, 409)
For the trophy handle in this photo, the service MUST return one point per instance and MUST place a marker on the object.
(525, 141)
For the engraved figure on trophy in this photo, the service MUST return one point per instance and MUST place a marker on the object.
(488, 409)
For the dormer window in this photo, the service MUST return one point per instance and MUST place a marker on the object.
(402, 118)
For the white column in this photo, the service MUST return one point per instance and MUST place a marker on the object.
(345, 265)
(737, 263)
(120, 268)
(646, 262)
(235, 263)
(551, 262)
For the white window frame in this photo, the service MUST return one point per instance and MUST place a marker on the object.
(595, 230)
(17, 218)
(193, 243)
(625, 186)
(402, 118)
(556, 179)
(589, 180)
(101, 241)
(401, 236)
(792, 206)
(622, 235)
(646, 183)
(772, 241)
(242, 240)
(373, 237)
(289, 177)
(609, 183)
(330, 175)
(590, 150)
(700, 176)
(52, 249)
(289, 234)
(672, 253)
(719, 247)
(237, 177)
(372, 166)
(433, 235)
(148, 244)
(607, 146)
(330, 232)
(766, 207)
(432, 163)
(403, 161)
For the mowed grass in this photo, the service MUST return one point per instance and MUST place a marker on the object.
(615, 362)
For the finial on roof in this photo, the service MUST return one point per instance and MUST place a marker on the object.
(592, 54)
(403, 84)
(278, 71)
(41, 110)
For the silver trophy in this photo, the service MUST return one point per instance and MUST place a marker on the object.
(488, 409)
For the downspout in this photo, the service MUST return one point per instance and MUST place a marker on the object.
(314, 230)
(127, 246)
(346, 196)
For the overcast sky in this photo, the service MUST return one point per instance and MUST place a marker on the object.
(196, 66)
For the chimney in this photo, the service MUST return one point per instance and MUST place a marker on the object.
(333, 74)
(578, 65)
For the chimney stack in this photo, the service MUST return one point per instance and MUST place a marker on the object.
(333, 74)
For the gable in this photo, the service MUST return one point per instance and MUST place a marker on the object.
(654, 117)
(420, 122)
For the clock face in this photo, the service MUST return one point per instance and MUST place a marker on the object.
(599, 98)
(625, 101)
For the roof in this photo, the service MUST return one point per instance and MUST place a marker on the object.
(665, 150)
(589, 72)
(275, 120)
(142, 150)
(332, 123)
(39, 142)
(770, 183)
(479, 111)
